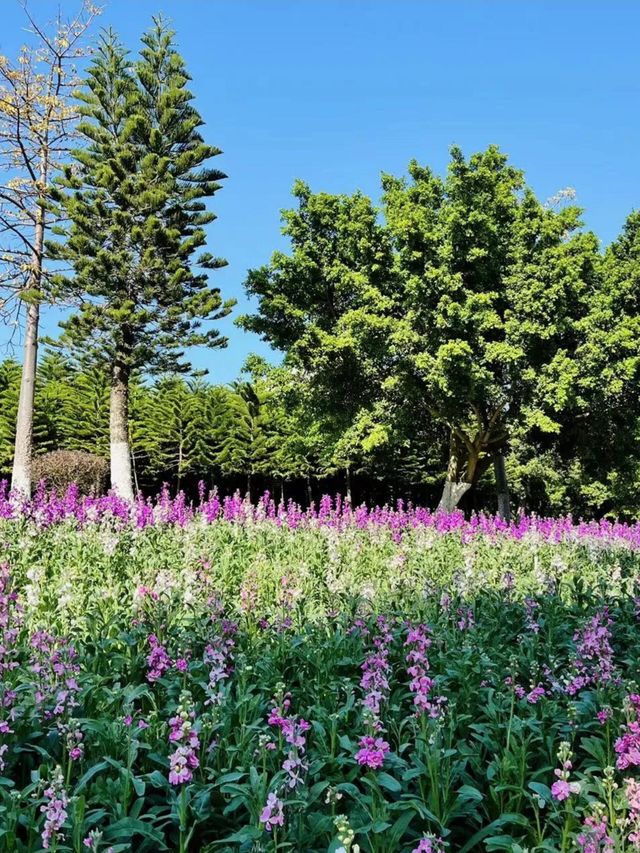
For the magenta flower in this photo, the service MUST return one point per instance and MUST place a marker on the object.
(372, 752)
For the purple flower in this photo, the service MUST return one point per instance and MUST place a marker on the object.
(421, 684)
(273, 813)
(54, 809)
(158, 660)
(429, 844)
(184, 759)
(594, 837)
(562, 790)
(372, 752)
(535, 695)
(593, 664)
(603, 715)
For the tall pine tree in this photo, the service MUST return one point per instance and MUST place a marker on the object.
(135, 199)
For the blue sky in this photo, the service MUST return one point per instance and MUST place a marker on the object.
(336, 91)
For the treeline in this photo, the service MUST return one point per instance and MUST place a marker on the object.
(265, 433)
(461, 343)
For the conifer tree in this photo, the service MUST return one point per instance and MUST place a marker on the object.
(135, 199)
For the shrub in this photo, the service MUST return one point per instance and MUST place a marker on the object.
(60, 468)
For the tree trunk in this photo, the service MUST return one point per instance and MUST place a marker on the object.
(502, 486)
(347, 477)
(455, 484)
(249, 485)
(121, 473)
(309, 491)
(179, 472)
(23, 452)
(452, 494)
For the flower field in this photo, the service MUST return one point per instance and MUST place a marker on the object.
(230, 677)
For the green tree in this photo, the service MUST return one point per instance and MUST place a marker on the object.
(493, 286)
(10, 372)
(326, 305)
(246, 435)
(607, 380)
(175, 427)
(85, 414)
(135, 199)
(54, 396)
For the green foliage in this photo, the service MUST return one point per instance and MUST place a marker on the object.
(472, 319)
(325, 304)
(10, 372)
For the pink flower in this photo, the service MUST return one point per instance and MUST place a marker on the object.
(429, 844)
(273, 813)
(184, 759)
(562, 790)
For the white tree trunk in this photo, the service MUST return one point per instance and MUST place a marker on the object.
(452, 493)
(23, 450)
(121, 472)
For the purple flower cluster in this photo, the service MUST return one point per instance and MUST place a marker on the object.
(375, 673)
(465, 619)
(531, 607)
(593, 665)
(294, 731)
(563, 788)
(627, 745)
(53, 662)
(372, 752)
(273, 812)
(594, 836)
(183, 734)
(430, 844)
(54, 809)
(10, 621)
(421, 684)
(632, 792)
(158, 661)
(10, 627)
(218, 655)
(73, 739)
(374, 683)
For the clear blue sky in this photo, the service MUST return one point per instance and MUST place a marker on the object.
(336, 91)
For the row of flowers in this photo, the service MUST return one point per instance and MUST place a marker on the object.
(47, 508)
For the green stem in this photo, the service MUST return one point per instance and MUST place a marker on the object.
(183, 819)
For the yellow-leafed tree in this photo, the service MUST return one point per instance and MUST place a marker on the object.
(37, 123)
